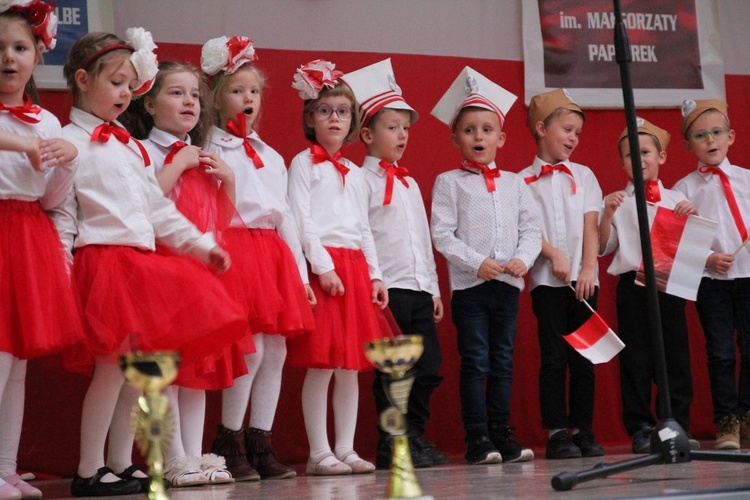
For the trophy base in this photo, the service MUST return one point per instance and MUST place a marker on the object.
(424, 497)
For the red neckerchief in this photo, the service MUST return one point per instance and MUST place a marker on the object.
(319, 155)
(548, 169)
(731, 200)
(175, 148)
(103, 132)
(490, 174)
(652, 191)
(237, 129)
(393, 172)
(28, 112)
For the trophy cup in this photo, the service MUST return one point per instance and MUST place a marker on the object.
(151, 372)
(396, 356)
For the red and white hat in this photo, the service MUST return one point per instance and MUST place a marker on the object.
(375, 88)
(41, 16)
(226, 54)
(472, 89)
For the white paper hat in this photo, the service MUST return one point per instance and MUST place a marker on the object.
(471, 88)
(375, 88)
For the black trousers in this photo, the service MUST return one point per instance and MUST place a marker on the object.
(413, 311)
(637, 363)
(559, 313)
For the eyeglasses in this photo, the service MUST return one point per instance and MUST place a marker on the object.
(716, 133)
(325, 112)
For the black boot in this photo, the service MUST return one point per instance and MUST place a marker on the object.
(231, 445)
(261, 456)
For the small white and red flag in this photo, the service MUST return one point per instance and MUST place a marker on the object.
(595, 340)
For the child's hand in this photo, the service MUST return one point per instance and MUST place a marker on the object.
(57, 151)
(489, 269)
(720, 263)
(560, 266)
(331, 283)
(585, 284)
(216, 166)
(379, 294)
(187, 158)
(516, 268)
(311, 299)
(685, 208)
(32, 147)
(219, 259)
(612, 202)
(437, 309)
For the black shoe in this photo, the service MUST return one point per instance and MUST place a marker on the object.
(93, 487)
(480, 450)
(127, 475)
(384, 455)
(420, 459)
(559, 446)
(511, 450)
(437, 457)
(588, 445)
(642, 439)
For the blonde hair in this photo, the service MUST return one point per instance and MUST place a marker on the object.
(219, 81)
(340, 89)
(84, 48)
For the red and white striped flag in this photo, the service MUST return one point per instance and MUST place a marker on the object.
(680, 246)
(595, 341)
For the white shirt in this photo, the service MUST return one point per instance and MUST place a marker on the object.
(117, 201)
(329, 212)
(625, 237)
(470, 224)
(261, 193)
(706, 192)
(19, 180)
(562, 214)
(401, 232)
(159, 145)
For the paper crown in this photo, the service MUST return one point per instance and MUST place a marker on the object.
(646, 127)
(375, 88)
(471, 88)
(543, 105)
(691, 110)
(226, 54)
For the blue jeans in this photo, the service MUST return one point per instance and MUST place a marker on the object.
(485, 317)
(723, 307)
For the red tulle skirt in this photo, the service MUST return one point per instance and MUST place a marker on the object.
(344, 323)
(38, 313)
(133, 299)
(265, 280)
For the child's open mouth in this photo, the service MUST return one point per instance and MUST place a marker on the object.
(248, 111)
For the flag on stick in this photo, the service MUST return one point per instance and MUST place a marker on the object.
(594, 340)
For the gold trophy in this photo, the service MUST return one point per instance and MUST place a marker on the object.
(152, 372)
(396, 356)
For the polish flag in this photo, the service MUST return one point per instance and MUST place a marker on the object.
(680, 246)
(595, 341)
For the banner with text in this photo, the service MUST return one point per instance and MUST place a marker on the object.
(674, 46)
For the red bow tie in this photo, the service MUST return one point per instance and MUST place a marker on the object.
(237, 129)
(319, 155)
(731, 200)
(27, 112)
(490, 174)
(393, 172)
(652, 191)
(548, 169)
(103, 132)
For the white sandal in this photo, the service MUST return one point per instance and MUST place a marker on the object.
(184, 472)
(214, 469)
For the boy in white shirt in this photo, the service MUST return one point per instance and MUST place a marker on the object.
(402, 239)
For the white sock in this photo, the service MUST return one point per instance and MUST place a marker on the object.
(267, 385)
(96, 416)
(121, 430)
(314, 409)
(173, 448)
(192, 416)
(12, 391)
(345, 406)
(234, 400)
(555, 431)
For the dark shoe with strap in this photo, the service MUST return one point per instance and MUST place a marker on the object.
(93, 487)
(127, 474)
(585, 440)
(231, 445)
(561, 446)
(428, 448)
(261, 456)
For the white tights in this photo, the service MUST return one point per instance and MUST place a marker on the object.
(12, 392)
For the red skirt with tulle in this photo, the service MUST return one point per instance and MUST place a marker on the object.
(265, 280)
(38, 313)
(344, 323)
(135, 299)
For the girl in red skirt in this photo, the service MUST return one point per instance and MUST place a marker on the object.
(270, 270)
(329, 201)
(131, 296)
(37, 310)
(173, 120)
